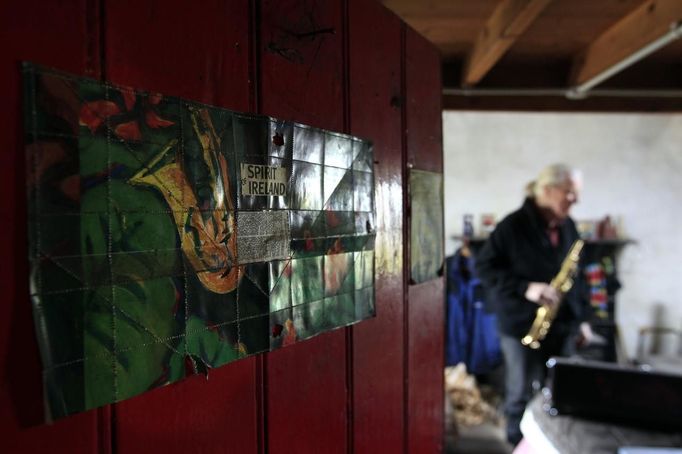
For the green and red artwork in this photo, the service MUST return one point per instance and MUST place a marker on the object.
(168, 237)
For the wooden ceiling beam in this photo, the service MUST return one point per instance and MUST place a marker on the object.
(644, 25)
(506, 24)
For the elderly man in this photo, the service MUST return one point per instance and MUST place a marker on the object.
(516, 264)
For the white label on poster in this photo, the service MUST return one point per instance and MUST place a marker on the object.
(263, 180)
(262, 236)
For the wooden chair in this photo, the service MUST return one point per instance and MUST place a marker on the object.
(660, 348)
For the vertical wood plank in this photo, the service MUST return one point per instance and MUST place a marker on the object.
(423, 107)
(199, 52)
(425, 373)
(56, 35)
(302, 80)
(302, 61)
(375, 107)
(425, 302)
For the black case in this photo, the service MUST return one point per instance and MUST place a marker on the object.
(614, 393)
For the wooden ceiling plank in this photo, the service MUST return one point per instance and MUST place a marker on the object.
(506, 24)
(642, 26)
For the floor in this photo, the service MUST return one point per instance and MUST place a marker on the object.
(483, 439)
(486, 438)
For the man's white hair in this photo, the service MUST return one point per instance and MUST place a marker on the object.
(552, 175)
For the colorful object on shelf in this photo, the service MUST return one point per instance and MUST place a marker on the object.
(487, 224)
(468, 226)
(587, 229)
(169, 237)
(596, 280)
(606, 229)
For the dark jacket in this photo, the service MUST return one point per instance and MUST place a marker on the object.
(519, 252)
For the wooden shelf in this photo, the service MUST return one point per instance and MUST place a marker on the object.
(610, 242)
(602, 242)
(475, 239)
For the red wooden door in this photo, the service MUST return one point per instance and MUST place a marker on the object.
(344, 65)
(302, 77)
(425, 316)
(58, 35)
(378, 387)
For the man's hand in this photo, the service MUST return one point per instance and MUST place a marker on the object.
(542, 293)
(588, 337)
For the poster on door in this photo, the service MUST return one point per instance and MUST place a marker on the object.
(169, 237)
(426, 226)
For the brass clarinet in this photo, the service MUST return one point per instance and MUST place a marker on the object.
(562, 282)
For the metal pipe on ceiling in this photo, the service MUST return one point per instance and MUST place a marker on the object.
(585, 89)
(674, 33)
(563, 93)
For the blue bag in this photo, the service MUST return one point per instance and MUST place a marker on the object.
(485, 353)
(471, 332)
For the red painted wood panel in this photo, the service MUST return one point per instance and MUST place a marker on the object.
(196, 415)
(425, 302)
(424, 112)
(54, 35)
(375, 107)
(425, 362)
(302, 61)
(302, 80)
(199, 52)
(331, 64)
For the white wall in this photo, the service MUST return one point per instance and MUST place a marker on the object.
(632, 169)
